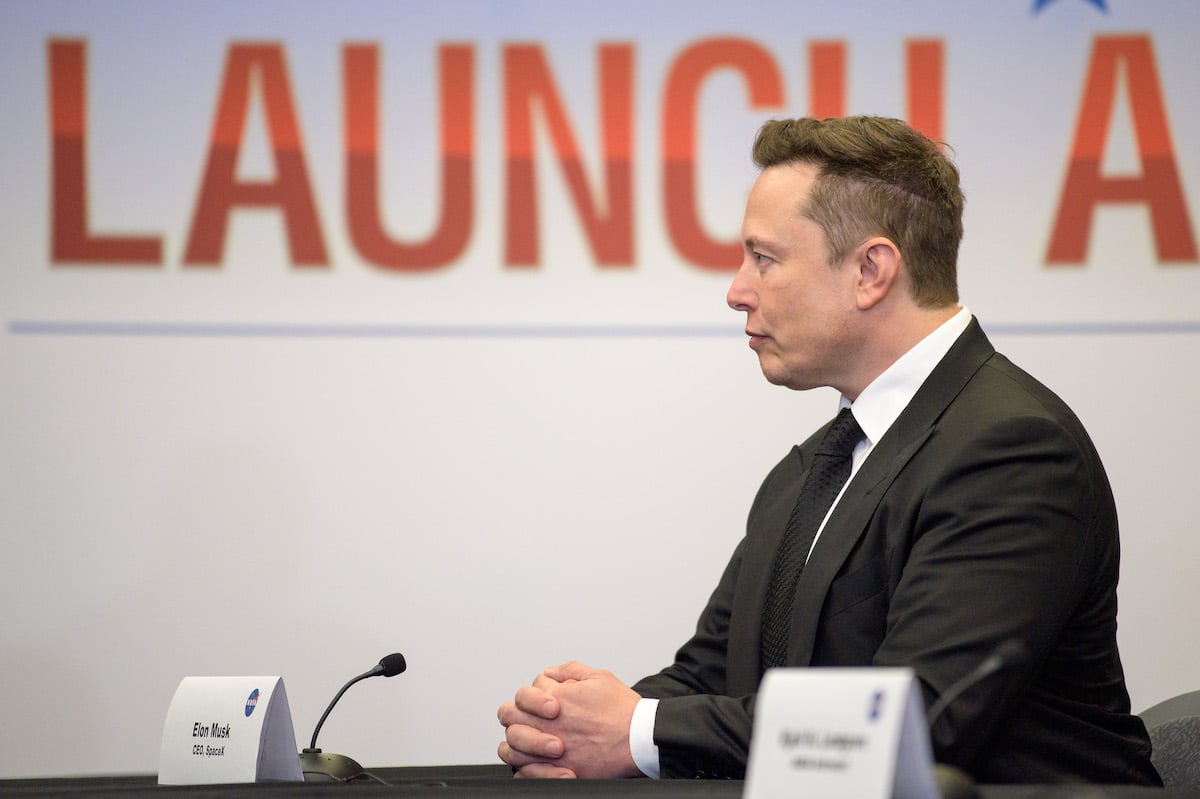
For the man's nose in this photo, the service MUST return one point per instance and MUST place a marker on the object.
(740, 296)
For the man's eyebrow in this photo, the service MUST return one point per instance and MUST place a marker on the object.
(759, 243)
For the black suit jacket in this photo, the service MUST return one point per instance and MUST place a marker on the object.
(982, 516)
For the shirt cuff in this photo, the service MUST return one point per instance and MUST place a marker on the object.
(641, 737)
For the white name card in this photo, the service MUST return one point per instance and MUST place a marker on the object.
(840, 733)
(228, 729)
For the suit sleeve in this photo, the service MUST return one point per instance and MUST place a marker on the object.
(1015, 537)
(700, 732)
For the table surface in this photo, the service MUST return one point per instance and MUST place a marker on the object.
(496, 781)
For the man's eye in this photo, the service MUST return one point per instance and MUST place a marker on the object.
(761, 260)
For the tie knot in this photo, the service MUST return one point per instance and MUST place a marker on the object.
(842, 435)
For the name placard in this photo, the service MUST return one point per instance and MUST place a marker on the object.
(834, 733)
(228, 729)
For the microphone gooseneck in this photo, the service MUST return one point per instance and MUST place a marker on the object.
(317, 765)
(1008, 655)
(953, 782)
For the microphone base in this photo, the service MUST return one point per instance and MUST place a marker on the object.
(952, 782)
(318, 766)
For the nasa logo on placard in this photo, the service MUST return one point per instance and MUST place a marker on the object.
(876, 706)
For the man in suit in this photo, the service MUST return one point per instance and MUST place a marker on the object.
(977, 516)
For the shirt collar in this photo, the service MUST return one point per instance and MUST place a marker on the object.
(883, 400)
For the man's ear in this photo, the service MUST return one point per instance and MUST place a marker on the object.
(878, 271)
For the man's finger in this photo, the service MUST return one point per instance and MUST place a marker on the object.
(544, 771)
(535, 701)
(573, 670)
(515, 758)
(532, 743)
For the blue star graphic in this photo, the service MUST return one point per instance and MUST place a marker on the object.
(1038, 5)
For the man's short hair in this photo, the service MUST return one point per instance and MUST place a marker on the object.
(877, 177)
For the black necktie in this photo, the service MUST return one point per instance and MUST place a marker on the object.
(830, 469)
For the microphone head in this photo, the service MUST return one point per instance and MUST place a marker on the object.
(393, 664)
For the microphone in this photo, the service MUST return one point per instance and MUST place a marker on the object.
(1007, 655)
(318, 766)
(952, 782)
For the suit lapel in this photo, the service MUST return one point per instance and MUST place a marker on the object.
(767, 525)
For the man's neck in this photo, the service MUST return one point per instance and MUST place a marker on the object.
(890, 337)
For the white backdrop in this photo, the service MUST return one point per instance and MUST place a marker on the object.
(261, 468)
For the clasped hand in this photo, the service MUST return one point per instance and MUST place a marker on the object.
(573, 721)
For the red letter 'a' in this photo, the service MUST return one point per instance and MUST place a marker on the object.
(221, 190)
(527, 80)
(684, 82)
(1158, 186)
(69, 236)
(360, 64)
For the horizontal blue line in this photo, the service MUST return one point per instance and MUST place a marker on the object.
(285, 330)
(517, 331)
(1132, 328)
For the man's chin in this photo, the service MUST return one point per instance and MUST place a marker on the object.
(774, 374)
(778, 376)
